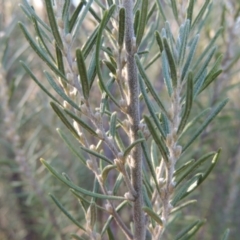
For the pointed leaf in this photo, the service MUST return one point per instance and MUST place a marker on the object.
(173, 71)
(59, 91)
(70, 146)
(214, 113)
(121, 27)
(83, 73)
(188, 103)
(106, 170)
(60, 206)
(157, 138)
(81, 122)
(65, 121)
(142, 22)
(75, 15)
(76, 188)
(148, 84)
(153, 215)
(174, 9)
(132, 145)
(190, 10)
(53, 23)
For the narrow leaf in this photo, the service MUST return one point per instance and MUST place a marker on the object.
(96, 154)
(70, 146)
(129, 148)
(174, 9)
(142, 22)
(188, 103)
(121, 27)
(206, 122)
(226, 234)
(83, 73)
(75, 15)
(166, 75)
(190, 10)
(53, 23)
(60, 206)
(153, 215)
(157, 138)
(39, 52)
(59, 91)
(201, 13)
(149, 85)
(76, 188)
(136, 21)
(81, 122)
(113, 124)
(106, 170)
(38, 82)
(150, 107)
(64, 119)
(148, 160)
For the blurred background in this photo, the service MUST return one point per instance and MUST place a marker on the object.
(28, 132)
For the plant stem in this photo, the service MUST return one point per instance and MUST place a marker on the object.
(134, 119)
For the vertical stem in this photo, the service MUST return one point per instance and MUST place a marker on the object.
(134, 118)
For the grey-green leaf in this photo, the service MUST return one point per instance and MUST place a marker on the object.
(83, 73)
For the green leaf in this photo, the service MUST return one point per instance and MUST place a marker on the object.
(188, 232)
(226, 234)
(142, 22)
(92, 71)
(190, 57)
(213, 163)
(83, 73)
(113, 124)
(132, 145)
(150, 107)
(206, 122)
(174, 9)
(161, 9)
(149, 85)
(31, 12)
(106, 170)
(199, 83)
(39, 32)
(200, 14)
(60, 206)
(76, 188)
(110, 234)
(71, 146)
(178, 208)
(157, 138)
(60, 64)
(210, 45)
(80, 18)
(155, 57)
(136, 21)
(190, 10)
(65, 15)
(121, 27)
(38, 82)
(171, 63)
(183, 167)
(148, 160)
(153, 215)
(205, 64)
(110, 66)
(65, 121)
(75, 15)
(96, 154)
(81, 122)
(106, 17)
(39, 52)
(166, 75)
(59, 91)
(118, 208)
(118, 183)
(183, 46)
(188, 103)
(194, 166)
(53, 23)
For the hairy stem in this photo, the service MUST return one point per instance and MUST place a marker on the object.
(134, 119)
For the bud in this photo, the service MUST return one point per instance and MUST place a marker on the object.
(129, 196)
(109, 208)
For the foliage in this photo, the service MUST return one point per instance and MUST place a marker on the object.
(138, 135)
